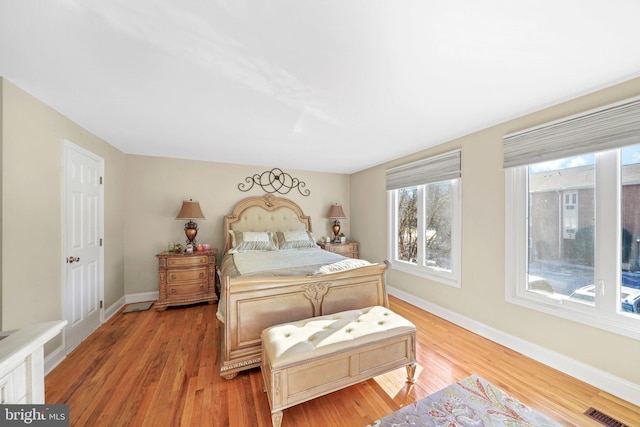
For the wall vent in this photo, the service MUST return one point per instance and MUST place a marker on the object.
(603, 418)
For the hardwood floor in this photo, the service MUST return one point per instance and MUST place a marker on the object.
(155, 368)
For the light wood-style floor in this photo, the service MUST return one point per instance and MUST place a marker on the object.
(161, 369)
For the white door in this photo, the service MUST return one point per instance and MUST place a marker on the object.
(83, 255)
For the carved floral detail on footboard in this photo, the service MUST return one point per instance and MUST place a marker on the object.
(316, 292)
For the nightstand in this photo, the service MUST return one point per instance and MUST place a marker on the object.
(349, 249)
(186, 278)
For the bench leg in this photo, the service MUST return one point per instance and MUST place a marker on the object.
(411, 373)
(276, 418)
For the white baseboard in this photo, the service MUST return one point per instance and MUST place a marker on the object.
(611, 384)
(53, 359)
(129, 299)
(141, 297)
(113, 308)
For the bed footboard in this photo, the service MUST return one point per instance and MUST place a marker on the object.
(253, 304)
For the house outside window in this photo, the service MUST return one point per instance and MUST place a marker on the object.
(424, 218)
(573, 221)
(570, 214)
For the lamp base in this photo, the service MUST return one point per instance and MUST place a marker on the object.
(336, 231)
(191, 231)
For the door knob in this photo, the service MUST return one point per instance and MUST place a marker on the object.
(72, 259)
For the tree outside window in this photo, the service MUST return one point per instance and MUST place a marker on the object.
(424, 233)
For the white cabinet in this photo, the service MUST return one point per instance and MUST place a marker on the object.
(22, 362)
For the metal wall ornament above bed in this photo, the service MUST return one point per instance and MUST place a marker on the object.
(274, 181)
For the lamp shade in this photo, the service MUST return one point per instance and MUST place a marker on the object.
(190, 210)
(336, 212)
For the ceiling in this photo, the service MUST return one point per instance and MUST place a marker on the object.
(322, 85)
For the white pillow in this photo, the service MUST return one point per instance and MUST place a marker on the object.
(252, 241)
(296, 239)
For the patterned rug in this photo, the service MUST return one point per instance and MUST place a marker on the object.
(472, 402)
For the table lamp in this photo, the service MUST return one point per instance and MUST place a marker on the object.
(190, 210)
(336, 213)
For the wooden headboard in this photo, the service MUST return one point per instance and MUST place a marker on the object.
(266, 213)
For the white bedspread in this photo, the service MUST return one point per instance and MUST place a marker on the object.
(253, 262)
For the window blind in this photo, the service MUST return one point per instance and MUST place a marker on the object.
(433, 169)
(602, 129)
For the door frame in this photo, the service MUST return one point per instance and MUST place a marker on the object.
(66, 146)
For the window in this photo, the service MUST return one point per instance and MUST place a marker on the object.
(561, 230)
(424, 218)
(573, 218)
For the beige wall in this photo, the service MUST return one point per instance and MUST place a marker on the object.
(482, 296)
(156, 187)
(32, 256)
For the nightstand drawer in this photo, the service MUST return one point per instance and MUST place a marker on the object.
(342, 250)
(187, 261)
(185, 275)
(186, 289)
(345, 249)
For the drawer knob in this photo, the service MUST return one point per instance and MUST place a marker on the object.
(201, 286)
(173, 290)
(201, 274)
(173, 276)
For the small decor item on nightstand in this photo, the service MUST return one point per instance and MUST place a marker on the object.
(343, 238)
(190, 210)
(336, 213)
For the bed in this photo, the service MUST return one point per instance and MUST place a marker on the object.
(254, 298)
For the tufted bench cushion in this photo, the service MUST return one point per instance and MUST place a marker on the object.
(308, 358)
(318, 336)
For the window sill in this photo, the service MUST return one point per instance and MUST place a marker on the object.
(440, 276)
(621, 324)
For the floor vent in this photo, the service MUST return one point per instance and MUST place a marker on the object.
(603, 419)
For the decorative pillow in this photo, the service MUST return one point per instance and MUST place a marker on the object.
(252, 241)
(296, 239)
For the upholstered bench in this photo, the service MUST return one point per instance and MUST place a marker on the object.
(309, 358)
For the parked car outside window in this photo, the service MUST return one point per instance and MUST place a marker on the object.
(630, 298)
